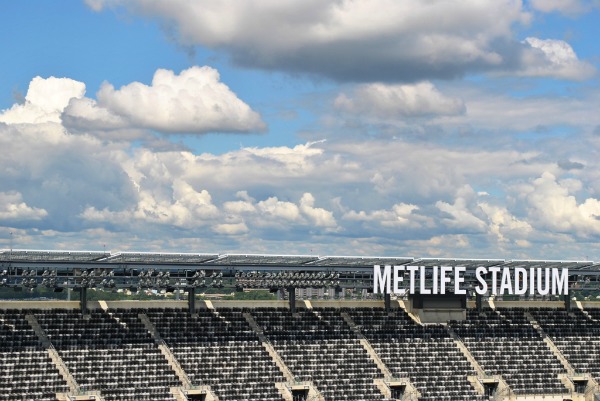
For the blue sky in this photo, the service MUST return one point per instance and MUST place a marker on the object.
(454, 129)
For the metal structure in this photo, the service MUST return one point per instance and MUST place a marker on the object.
(190, 272)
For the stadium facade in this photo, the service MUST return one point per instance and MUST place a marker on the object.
(393, 346)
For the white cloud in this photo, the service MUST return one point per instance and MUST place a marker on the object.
(275, 209)
(12, 207)
(317, 216)
(181, 206)
(373, 196)
(505, 114)
(357, 40)
(554, 58)
(231, 228)
(400, 215)
(460, 216)
(395, 101)
(44, 102)
(506, 227)
(447, 245)
(551, 205)
(195, 101)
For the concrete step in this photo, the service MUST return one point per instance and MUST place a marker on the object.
(284, 392)
(503, 391)
(557, 353)
(58, 362)
(367, 346)
(269, 347)
(166, 351)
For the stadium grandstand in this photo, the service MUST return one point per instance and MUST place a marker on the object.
(326, 336)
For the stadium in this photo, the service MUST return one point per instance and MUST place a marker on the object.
(326, 337)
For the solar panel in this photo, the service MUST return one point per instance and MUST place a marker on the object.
(469, 263)
(258, 260)
(144, 257)
(51, 256)
(548, 263)
(359, 261)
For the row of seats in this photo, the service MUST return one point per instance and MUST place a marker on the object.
(504, 342)
(27, 371)
(424, 354)
(318, 346)
(110, 352)
(113, 352)
(576, 335)
(219, 349)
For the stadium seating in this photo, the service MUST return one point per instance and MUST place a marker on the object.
(576, 335)
(504, 342)
(318, 346)
(111, 353)
(221, 350)
(27, 372)
(424, 354)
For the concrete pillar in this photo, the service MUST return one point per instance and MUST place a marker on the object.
(192, 300)
(292, 298)
(83, 300)
(387, 299)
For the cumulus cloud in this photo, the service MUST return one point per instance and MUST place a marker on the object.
(393, 101)
(44, 102)
(505, 226)
(460, 216)
(401, 214)
(182, 206)
(393, 40)
(386, 196)
(317, 216)
(552, 205)
(554, 58)
(505, 113)
(275, 213)
(195, 101)
(62, 173)
(12, 207)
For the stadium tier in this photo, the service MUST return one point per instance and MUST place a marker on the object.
(325, 350)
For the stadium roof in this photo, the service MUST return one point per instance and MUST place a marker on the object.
(266, 260)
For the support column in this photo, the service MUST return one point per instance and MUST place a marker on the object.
(292, 298)
(387, 299)
(192, 300)
(567, 300)
(478, 302)
(83, 300)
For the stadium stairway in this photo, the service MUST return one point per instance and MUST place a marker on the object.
(384, 385)
(75, 391)
(571, 377)
(285, 389)
(180, 393)
(165, 351)
(478, 382)
(570, 370)
(367, 346)
(269, 347)
(60, 364)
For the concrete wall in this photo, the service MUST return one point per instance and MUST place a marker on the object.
(348, 304)
(20, 304)
(439, 315)
(531, 304)
(39, 304)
